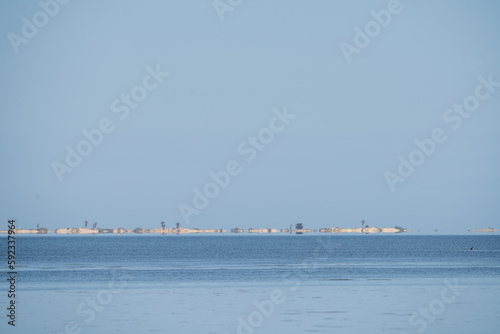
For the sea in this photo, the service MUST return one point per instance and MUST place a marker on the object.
(311, 283)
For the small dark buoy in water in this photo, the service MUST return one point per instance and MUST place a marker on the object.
(472, 248)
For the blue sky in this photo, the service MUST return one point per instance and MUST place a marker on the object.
(227, 80)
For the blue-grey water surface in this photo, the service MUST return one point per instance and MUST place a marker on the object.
(80, 260)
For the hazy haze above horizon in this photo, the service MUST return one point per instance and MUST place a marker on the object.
(324, 166)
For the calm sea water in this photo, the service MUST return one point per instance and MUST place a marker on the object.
(66, 261)
(218, 284)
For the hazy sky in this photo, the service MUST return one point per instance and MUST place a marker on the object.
(307, 111)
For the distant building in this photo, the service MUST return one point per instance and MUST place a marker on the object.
(299, 228)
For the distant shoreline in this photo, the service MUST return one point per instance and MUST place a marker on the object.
(181, 230)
